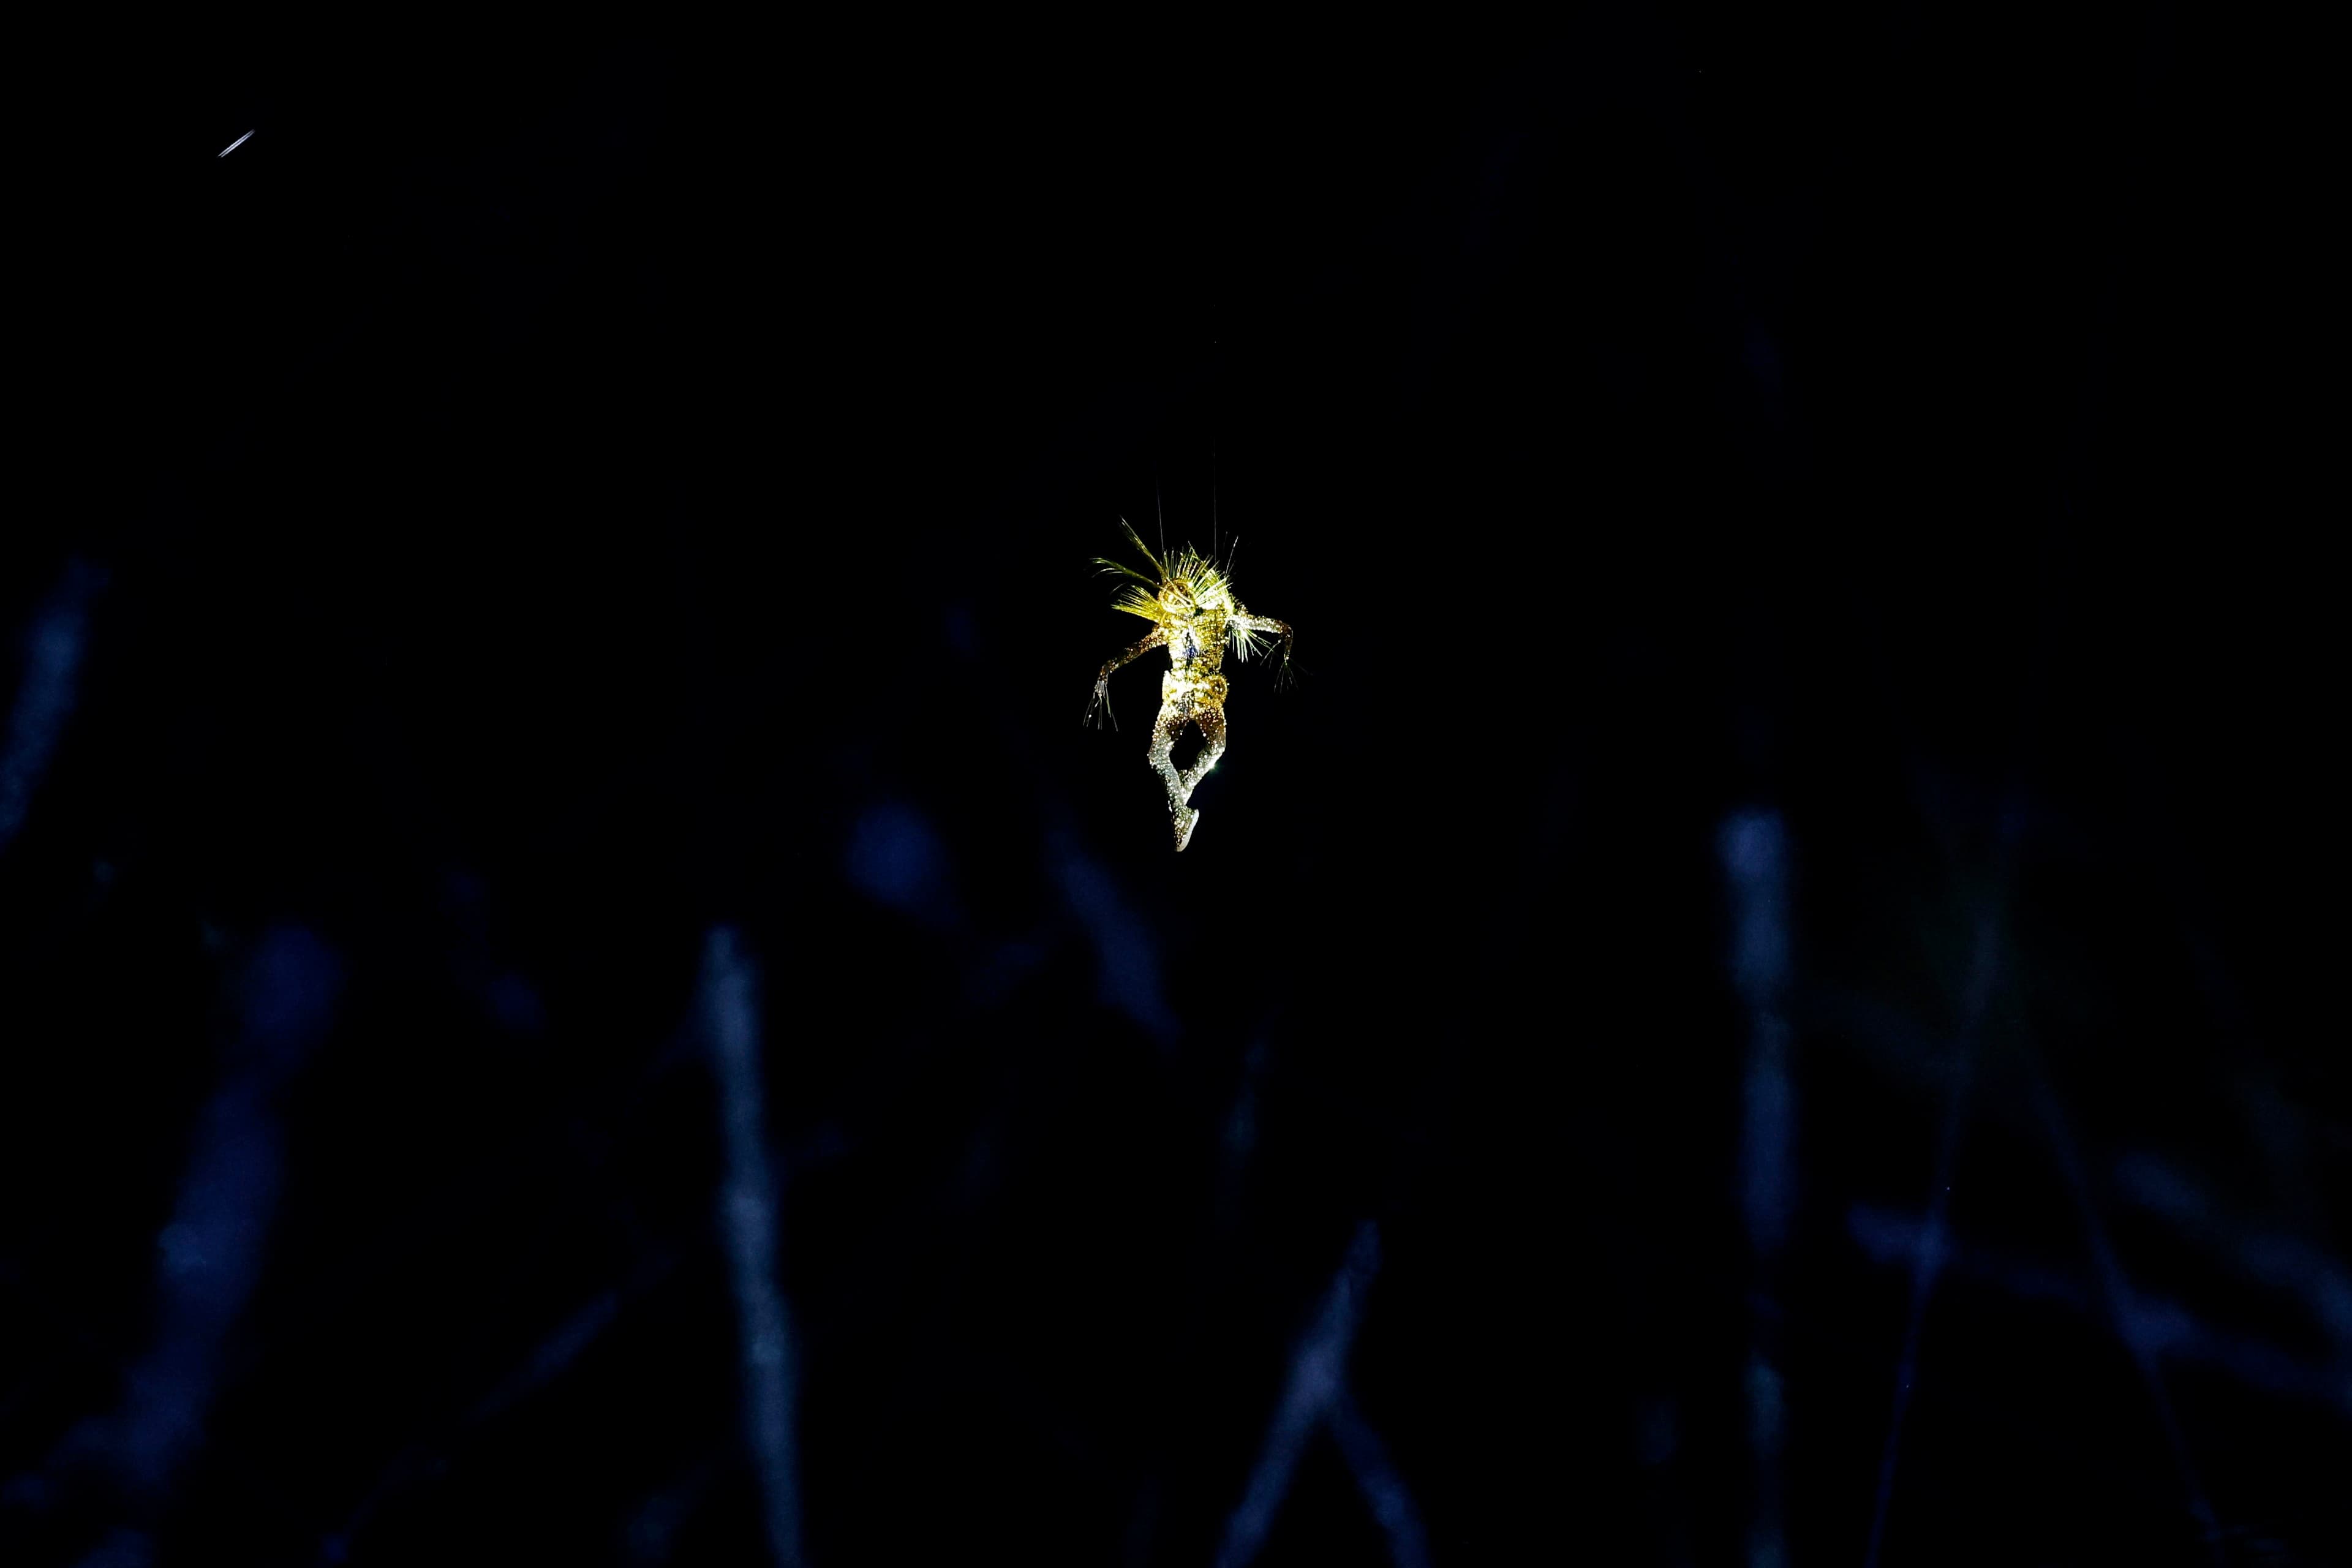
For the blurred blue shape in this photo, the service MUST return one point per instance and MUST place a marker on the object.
(1767, 1157)
(124, 1548)
(1383, 1489)
(653, 1527)
(1317, 1383)
(1753, 845)
(1130, 964)
(2281, 1261)
(1755, 850)
(516, 1006)
(54, 644)
(290, 988)
(731, 1016)
(896, 859)
(992, 978)
(1889, 1238)
(2147, 1325)
(210, 1256)
(1765, 1417)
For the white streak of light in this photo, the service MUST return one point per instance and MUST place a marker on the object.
(238, 144)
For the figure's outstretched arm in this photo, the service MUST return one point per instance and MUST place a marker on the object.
(1154, 639)
(1253, 627)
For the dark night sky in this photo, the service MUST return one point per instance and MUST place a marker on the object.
(1793, 854)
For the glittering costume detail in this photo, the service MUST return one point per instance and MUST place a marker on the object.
(1194, 614)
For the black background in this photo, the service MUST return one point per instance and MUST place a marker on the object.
(533, 505)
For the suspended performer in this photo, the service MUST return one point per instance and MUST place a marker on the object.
(1189, 600)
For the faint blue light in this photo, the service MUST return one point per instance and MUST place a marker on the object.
(1317, 1378)
(2281, 1261)
(1755, 859)
(1754, 847)
(45, 696)
(211, 1254)
(747, 1212)
(516, 1006)
(125, 1548)
(1891, 1237)
(1131, 961)
(1379, 1481)
(290, 988)
(2151, 1325)
(896, 859)
(1764, 1415)
(183, 1249)
(1767, 1151)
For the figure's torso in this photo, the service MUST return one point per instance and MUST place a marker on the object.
(1196, 658)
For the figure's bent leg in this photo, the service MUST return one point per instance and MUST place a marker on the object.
(1180, 790)
(1212, 746)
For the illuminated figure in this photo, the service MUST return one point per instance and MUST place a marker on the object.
(1194, 616)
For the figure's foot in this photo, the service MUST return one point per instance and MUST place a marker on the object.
(1187, 819)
